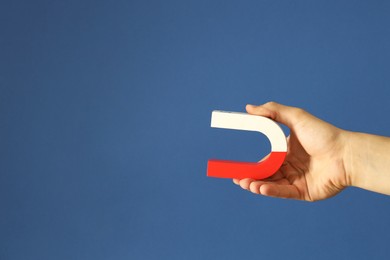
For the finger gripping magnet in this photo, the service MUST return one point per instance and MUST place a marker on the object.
(254, 170)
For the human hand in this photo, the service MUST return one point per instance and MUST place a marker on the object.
(314, 166)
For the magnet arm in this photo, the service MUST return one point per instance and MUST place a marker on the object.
(254, 170)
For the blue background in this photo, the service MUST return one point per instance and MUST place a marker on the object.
(104, 120)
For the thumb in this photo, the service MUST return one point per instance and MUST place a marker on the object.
(286, 115)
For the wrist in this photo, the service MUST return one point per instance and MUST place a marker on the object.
(367, 161)
(349, 160)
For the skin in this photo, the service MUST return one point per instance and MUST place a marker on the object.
(321, 159)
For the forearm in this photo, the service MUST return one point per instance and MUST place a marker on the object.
(367, 161)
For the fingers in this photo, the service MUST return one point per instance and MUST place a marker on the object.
(280, 188)
(280, 113)
(279, 191)
(245, 183)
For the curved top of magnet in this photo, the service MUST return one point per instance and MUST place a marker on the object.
(247, 122)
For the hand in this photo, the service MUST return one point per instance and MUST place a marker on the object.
(314, 166)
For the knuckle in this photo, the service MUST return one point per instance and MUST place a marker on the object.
(271, 104)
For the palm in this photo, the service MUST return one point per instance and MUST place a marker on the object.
(314, 176)
(312, 169)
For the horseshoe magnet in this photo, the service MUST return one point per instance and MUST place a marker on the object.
(254, 170)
